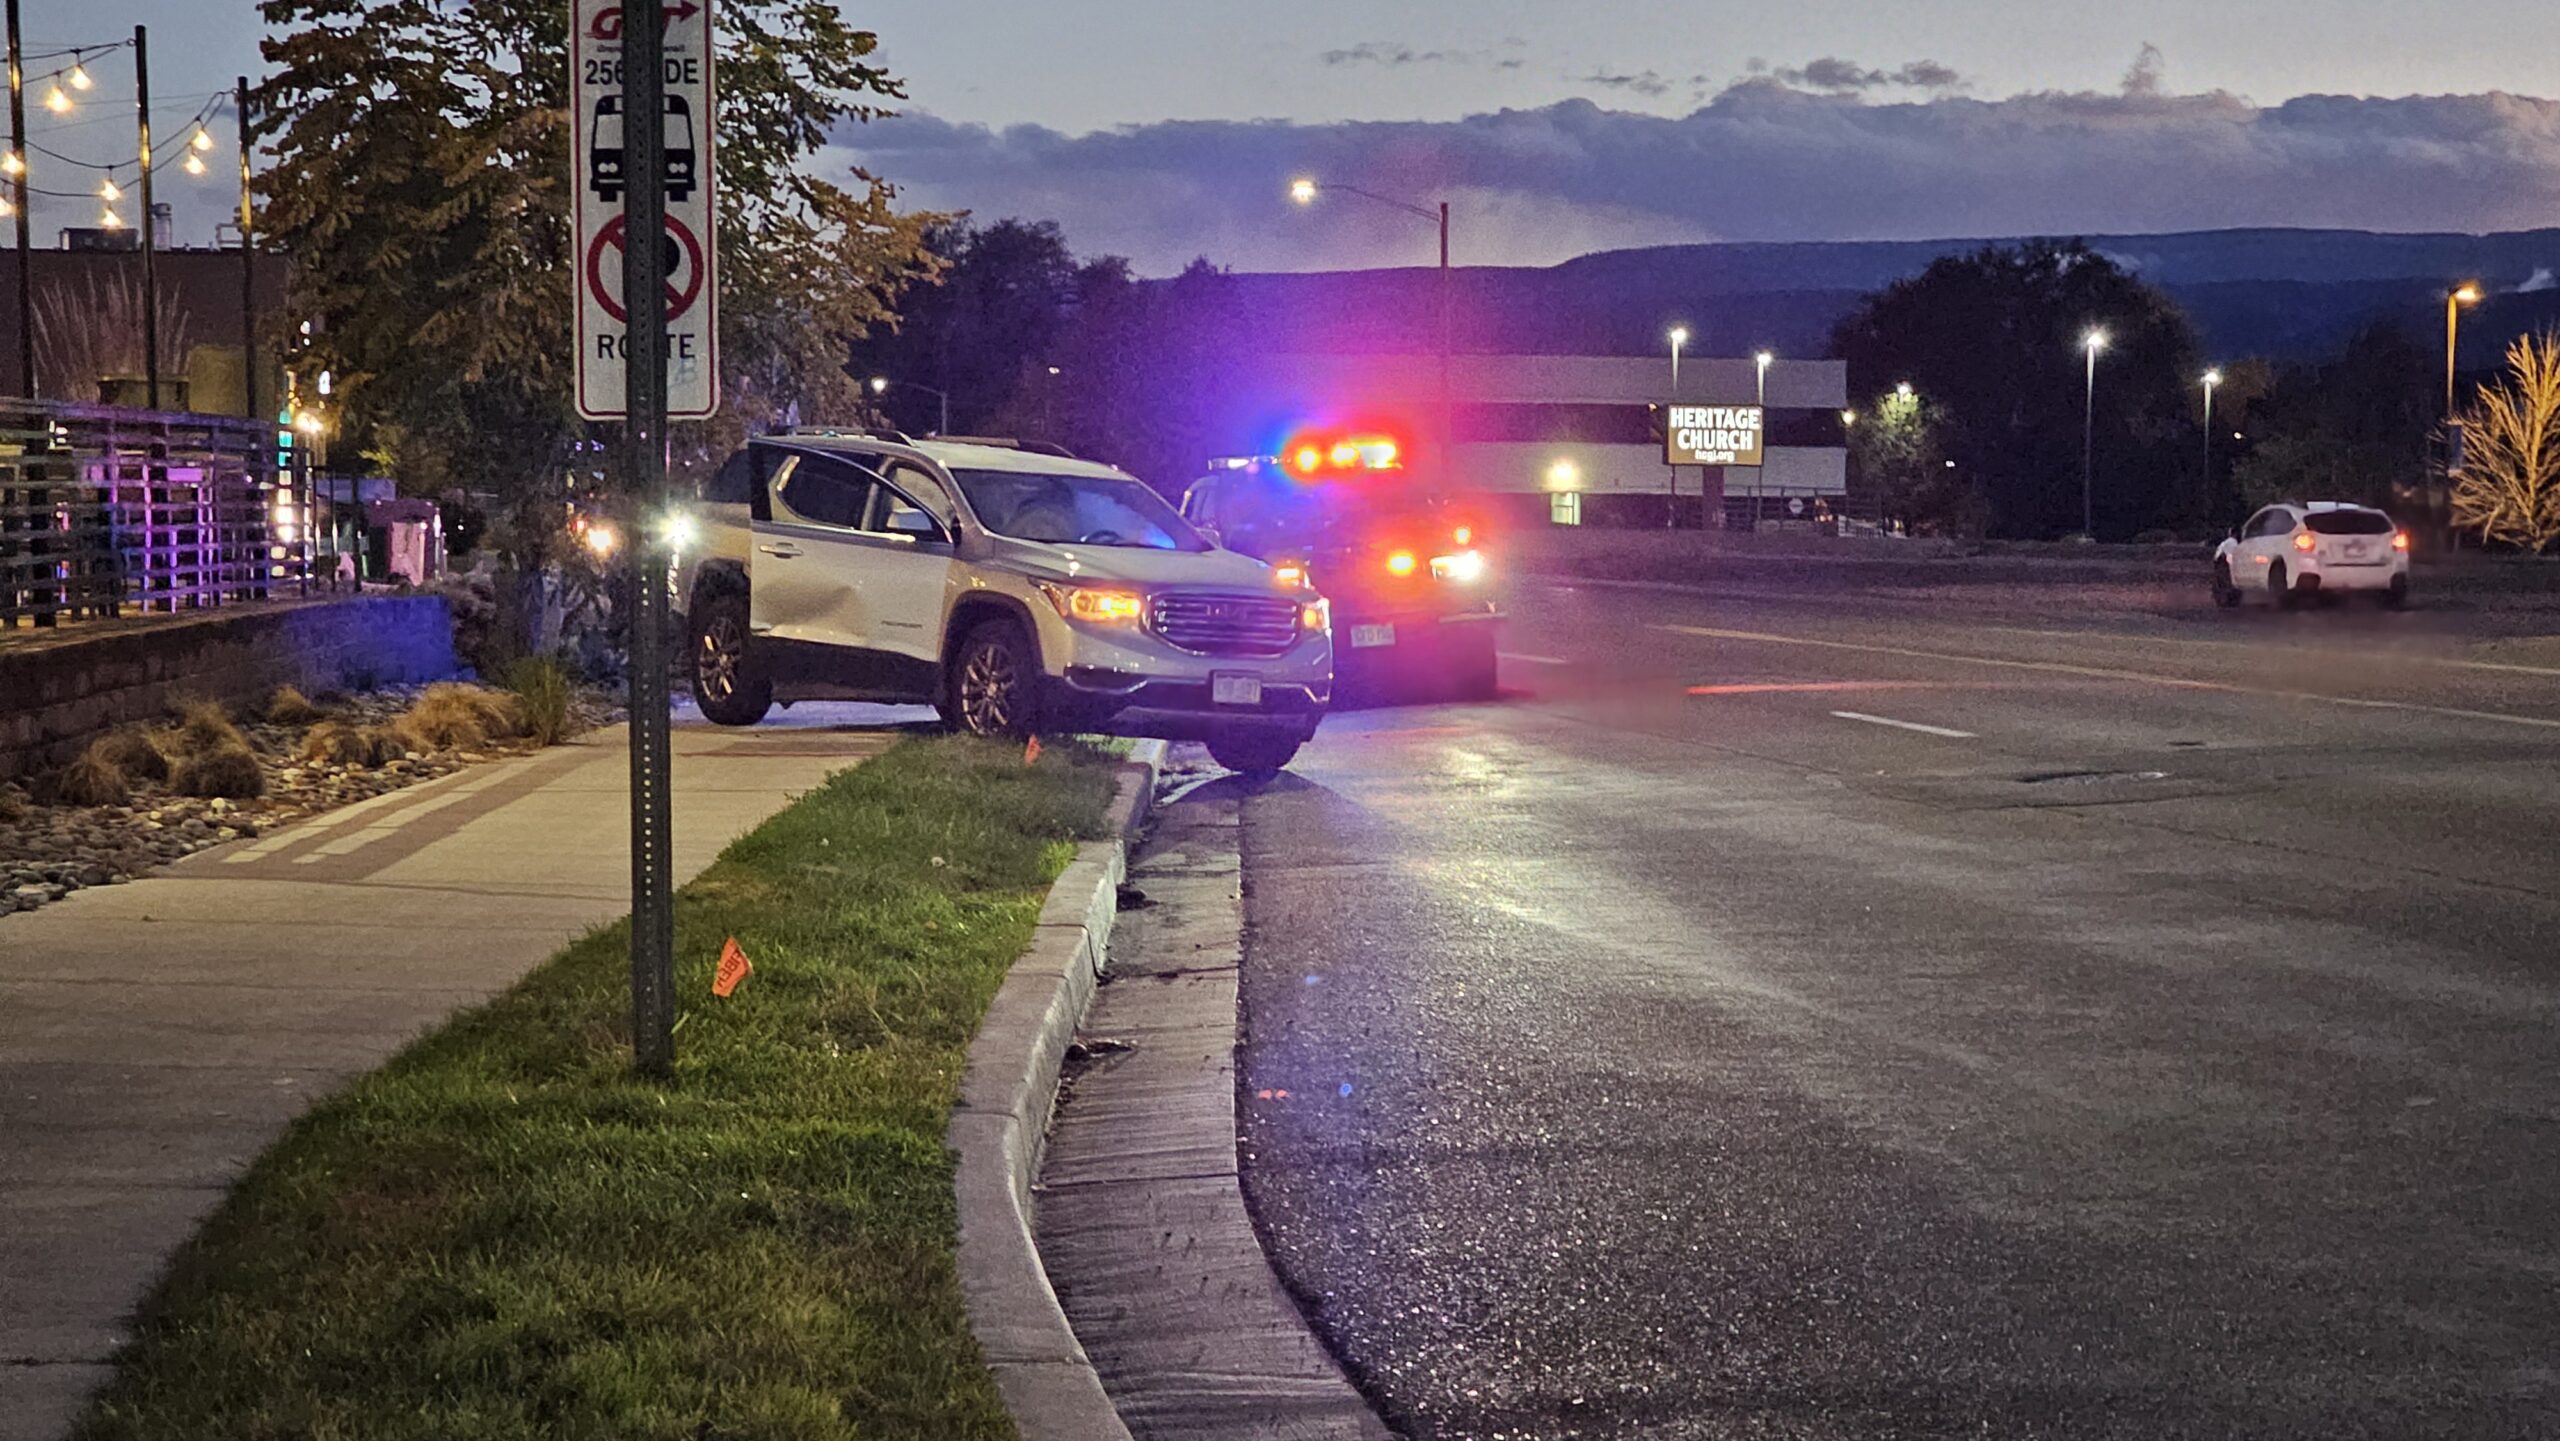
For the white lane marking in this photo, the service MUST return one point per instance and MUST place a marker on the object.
(2111, 673)
(1877, 720)
(2328, 651)
(1533, 659)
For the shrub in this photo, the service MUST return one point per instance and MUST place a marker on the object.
(203, 726)
(290, 707)
(460, 717)
(340, 744)
(541, 690)
(12, 803)
(90, 781)
(227, 771)
(134, 755)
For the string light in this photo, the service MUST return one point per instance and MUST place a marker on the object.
(55, 100)
(79, 76)
(10, 164)
(108, 191)
(203, 139)
(194, 165)
(111, 220)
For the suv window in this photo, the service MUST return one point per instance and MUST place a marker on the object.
(826, 492)
(1076, 510)
(2351, 522)
(2271, 522)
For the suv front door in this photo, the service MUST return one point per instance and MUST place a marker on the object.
(848, 578)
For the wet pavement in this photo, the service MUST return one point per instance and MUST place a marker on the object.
(1807, 1017)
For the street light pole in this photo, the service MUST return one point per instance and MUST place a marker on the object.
(880, 385)
(1760, 472)
(2454, 300)
(1671, 512)
(150, 271)
(1305, 191)
(2212, 379)
(248, 260)
(18, 203)
(2096, 341)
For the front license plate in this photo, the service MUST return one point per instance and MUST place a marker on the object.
(1364, 637)
(1235, 689)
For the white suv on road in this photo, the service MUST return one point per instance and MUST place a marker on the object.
(2291, 552)
(1019, 590)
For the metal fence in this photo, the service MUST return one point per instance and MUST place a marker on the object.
(108, 512)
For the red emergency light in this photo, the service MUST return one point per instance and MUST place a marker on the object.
(1324, 455)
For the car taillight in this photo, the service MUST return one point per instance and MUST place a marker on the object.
(1402, 562)
(2305, 541)
(1464, 535)
(2400, 540)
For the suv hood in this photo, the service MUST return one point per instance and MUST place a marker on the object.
(1129, 565)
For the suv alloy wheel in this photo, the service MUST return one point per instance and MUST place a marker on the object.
(992, 685)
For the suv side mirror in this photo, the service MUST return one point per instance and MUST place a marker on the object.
(916, 525)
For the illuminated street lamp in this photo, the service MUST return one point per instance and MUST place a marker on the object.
(1671, 513)
(1679, 338)
(2093, 342)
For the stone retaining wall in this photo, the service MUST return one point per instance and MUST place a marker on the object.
(59, 692)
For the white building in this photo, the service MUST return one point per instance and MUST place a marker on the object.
(1576, 437)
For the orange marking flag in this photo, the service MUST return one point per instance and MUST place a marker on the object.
(734, 967)
(1031, 752)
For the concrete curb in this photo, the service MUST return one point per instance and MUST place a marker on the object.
(1002, 1121)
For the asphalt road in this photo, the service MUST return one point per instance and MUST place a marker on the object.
(1818, 1015)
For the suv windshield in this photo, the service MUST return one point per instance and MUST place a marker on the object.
(2350, 522)
(1075, 510)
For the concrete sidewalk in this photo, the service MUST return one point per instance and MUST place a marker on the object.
(156, 1037)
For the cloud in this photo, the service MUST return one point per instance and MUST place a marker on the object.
(1646, 83)
(1832, 73)
(1387, 53)
(1395, 55)
(1761, 160)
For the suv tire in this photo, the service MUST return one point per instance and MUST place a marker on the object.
(993, 688)
(1257, 753)
(730, 690)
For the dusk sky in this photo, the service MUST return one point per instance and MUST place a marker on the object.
(1165, 128)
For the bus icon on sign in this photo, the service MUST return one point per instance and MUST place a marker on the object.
(604, 150)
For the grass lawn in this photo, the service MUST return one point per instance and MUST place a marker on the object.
(504, 1233)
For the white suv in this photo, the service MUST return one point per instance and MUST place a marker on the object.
(1019, 590)
(2291, 552)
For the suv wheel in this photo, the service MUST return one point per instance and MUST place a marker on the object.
(1260, 752)
(727, 688)
(994, 684)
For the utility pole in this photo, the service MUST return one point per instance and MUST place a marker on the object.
(150, 272)
(18, 203)
(248, 260)
(644, 300)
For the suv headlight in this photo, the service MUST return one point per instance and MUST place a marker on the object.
(1466, 567)
(1094, 606)
(1315, 617)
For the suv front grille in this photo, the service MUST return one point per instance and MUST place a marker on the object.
(1242, 625)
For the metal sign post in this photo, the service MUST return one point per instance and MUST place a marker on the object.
(646, 350)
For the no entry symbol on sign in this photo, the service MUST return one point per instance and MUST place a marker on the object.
(684, 269)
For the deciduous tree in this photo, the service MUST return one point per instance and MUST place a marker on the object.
(421, 185)
(1994, 337)
(2509, 489)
